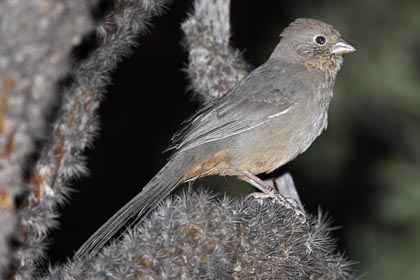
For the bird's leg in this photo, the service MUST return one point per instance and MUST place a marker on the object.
(283, 191)
(256, 182)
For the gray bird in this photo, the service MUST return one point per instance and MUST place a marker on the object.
(267, 119)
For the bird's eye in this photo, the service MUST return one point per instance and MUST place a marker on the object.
(320, 40)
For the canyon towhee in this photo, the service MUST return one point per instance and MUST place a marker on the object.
(267, 119)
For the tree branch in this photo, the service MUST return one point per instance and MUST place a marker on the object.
(214, 66)
(36, 39)
(73, 131)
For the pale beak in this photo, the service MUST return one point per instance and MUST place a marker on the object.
(342, 47)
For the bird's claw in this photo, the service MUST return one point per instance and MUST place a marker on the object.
(288, 203)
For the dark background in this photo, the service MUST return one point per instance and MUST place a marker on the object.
(364, 170)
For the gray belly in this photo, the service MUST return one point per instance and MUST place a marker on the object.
(272, 145)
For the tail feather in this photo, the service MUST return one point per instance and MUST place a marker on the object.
(158, 188)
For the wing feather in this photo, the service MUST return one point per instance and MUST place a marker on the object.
(248, 105)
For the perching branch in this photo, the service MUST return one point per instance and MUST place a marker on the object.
(195, 236)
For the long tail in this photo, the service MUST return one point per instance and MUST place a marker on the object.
(158, 188)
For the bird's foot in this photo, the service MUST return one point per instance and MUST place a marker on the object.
(285, 202)
(282, 190)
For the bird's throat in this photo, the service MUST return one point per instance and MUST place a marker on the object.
(329, 65)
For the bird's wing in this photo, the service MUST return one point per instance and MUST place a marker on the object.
(250, 104)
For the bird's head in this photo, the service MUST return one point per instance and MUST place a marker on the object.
(316, 44)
